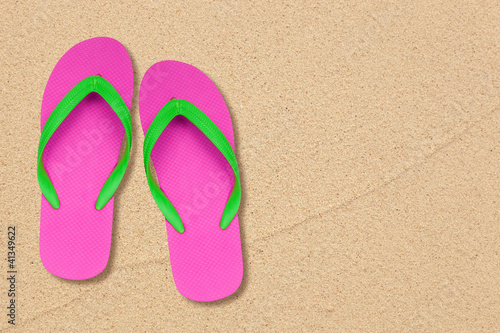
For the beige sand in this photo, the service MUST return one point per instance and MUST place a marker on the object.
(368, 140)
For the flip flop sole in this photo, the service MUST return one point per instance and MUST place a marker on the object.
(206, 260)
(75, 239)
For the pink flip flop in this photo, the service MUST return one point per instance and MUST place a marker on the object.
(198, 175)
(85, 116)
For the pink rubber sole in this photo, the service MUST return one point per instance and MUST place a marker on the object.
(75, 239)
(206, 261)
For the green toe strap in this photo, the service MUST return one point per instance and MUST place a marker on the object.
(179, 107)
(62, 110)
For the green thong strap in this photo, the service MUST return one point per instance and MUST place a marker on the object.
(91, 84)
(180, 107)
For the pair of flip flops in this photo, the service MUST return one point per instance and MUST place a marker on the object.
(189, 141)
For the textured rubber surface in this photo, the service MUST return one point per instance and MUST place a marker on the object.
(206, 261)
(75, 239)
